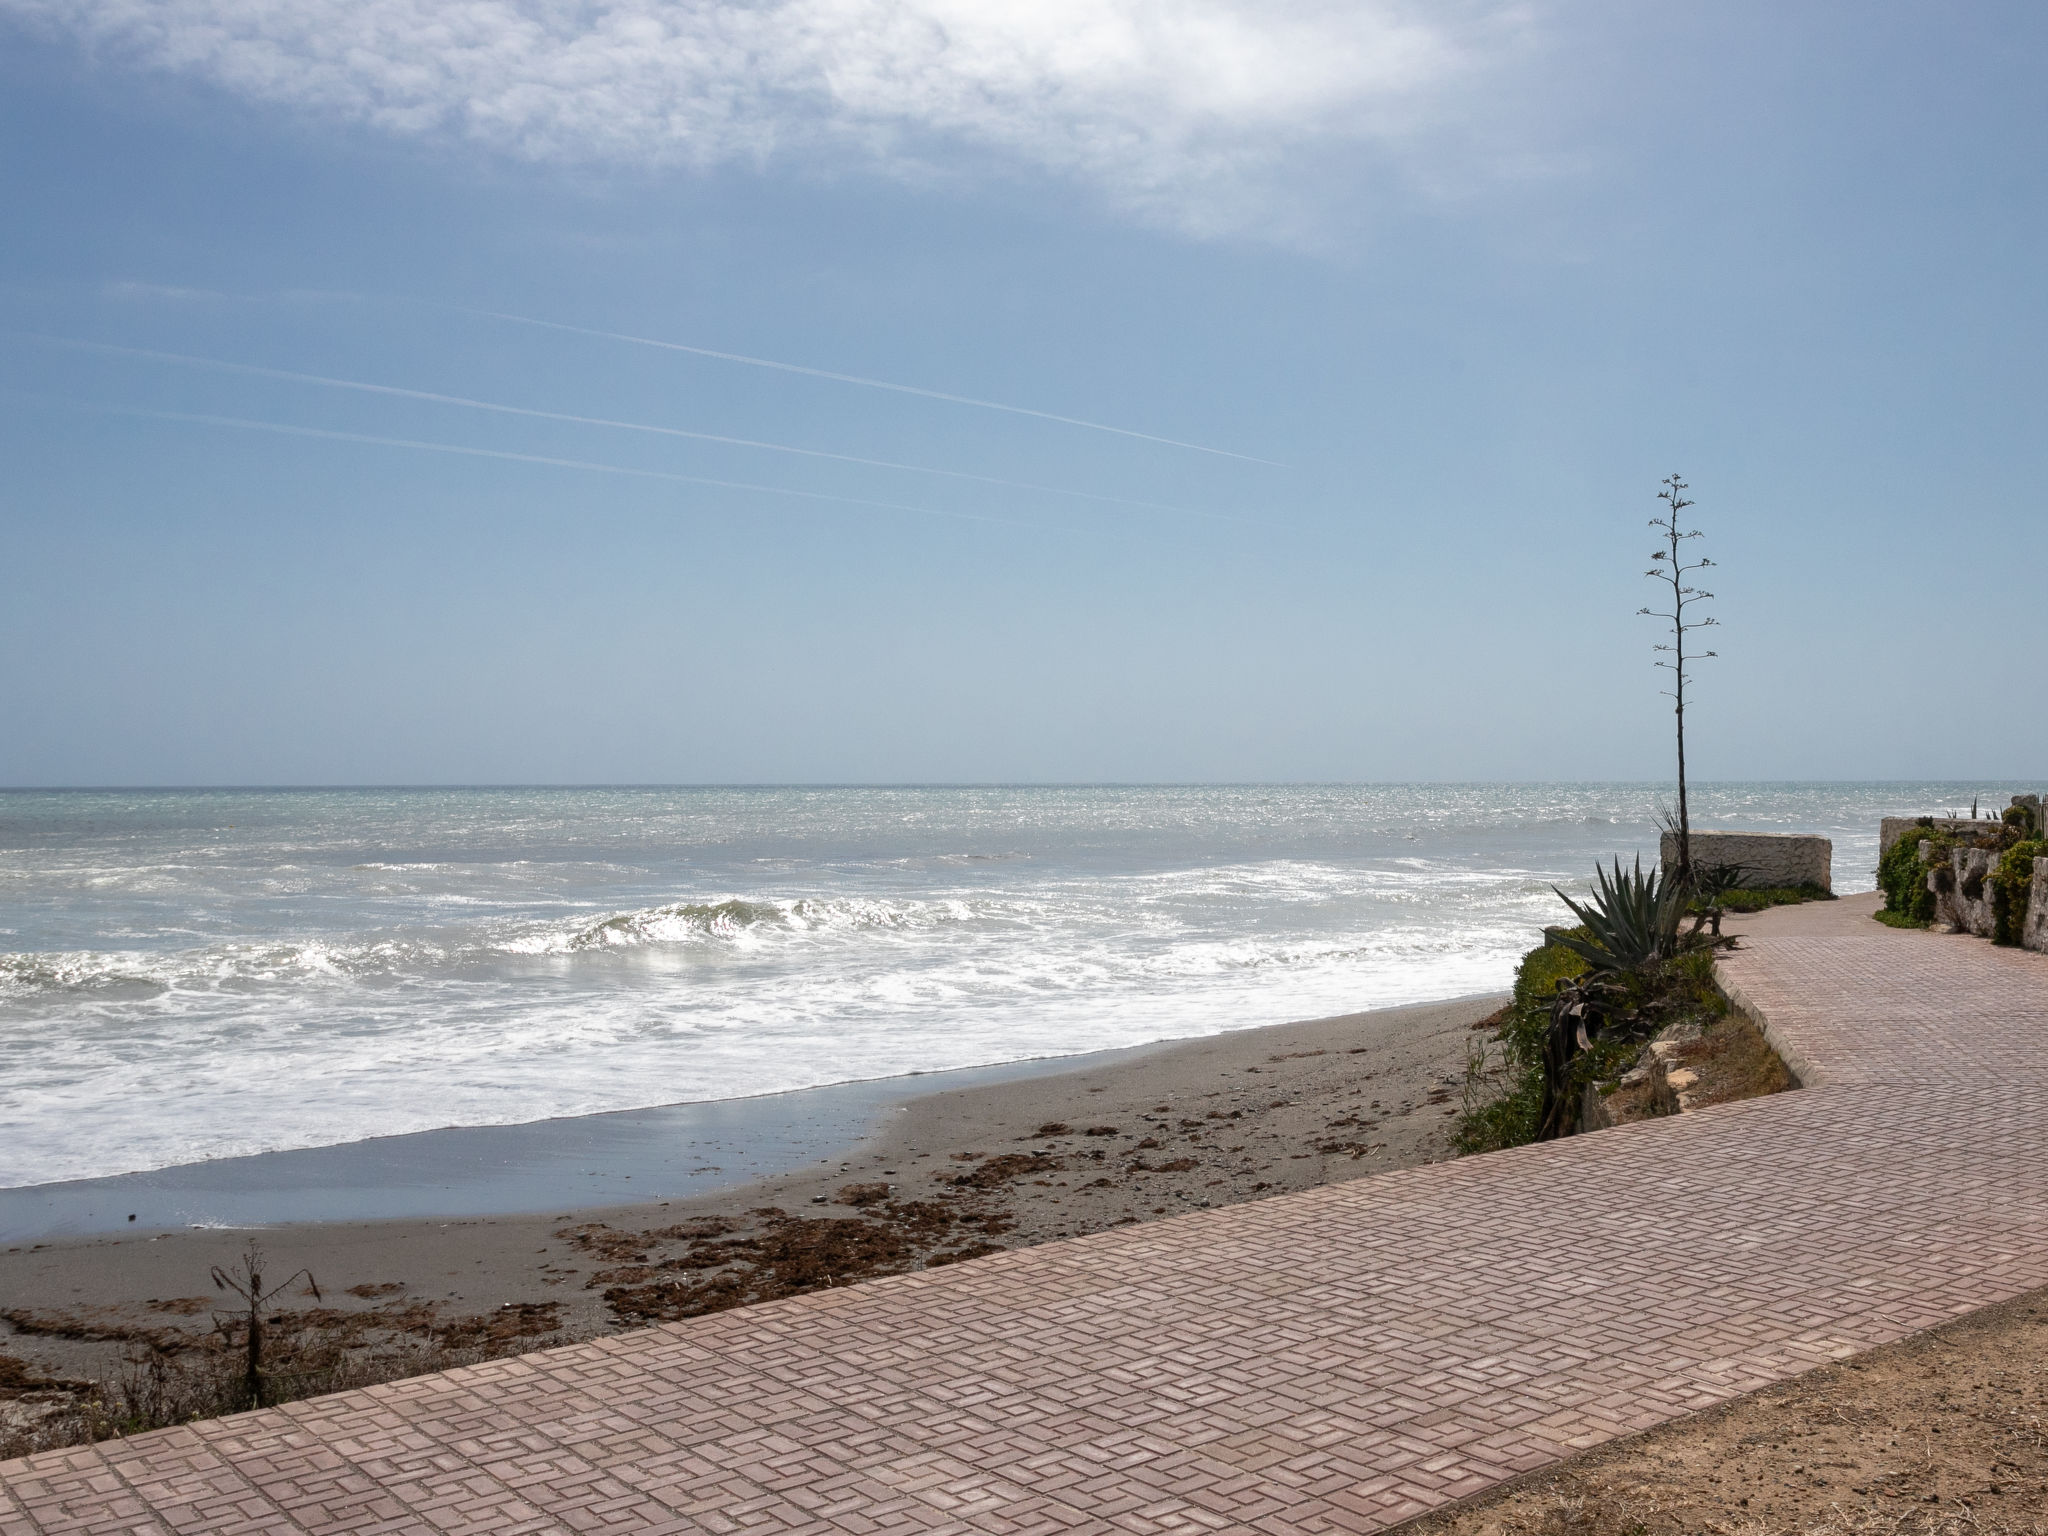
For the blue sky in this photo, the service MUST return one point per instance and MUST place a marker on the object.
(1450, 287)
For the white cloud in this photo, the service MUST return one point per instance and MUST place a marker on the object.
(1180, 106)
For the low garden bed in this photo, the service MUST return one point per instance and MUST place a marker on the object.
(1619, 1019)
(1969, 876)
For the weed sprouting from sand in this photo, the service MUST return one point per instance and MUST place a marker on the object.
(245, 1280)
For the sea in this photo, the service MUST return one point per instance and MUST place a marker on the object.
(200, 974)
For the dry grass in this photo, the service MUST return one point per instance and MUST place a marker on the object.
(1734, 1061)
(1944, 1434)
(169, 1375)
(1646, 1099)
(1730, 1060)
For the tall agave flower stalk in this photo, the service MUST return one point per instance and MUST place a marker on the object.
(1669, 567)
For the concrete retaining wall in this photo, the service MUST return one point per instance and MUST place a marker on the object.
(1767, 858)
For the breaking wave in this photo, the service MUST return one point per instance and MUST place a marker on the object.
(730, 921)
(657, 925)
(20, 974)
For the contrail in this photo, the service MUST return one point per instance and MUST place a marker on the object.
(499, 453)
(854, 378)
(467, 403)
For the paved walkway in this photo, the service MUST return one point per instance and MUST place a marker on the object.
(1333, 1361)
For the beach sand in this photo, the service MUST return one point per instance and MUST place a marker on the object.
(941, 1178)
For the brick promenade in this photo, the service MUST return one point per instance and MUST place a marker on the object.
(1333, 1361)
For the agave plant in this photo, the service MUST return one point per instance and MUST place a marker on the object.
(1578, 1017)
(1631, 920)
(1711, 882)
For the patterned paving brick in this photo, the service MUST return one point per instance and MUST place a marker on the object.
(1325, 1363)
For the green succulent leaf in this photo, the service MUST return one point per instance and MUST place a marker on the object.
(1631, 919)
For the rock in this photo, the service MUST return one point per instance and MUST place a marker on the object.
(1962, 891)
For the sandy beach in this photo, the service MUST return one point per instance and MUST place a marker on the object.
(940, 1177)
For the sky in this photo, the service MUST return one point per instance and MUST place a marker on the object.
(1277, 391)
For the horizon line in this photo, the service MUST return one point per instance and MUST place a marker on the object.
(767, 784)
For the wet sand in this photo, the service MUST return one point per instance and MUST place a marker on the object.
(640, 1156)
(941, 1176)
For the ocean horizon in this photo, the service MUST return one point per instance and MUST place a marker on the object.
(196, 973)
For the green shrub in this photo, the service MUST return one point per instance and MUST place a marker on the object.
(1504, 1083)
(1688, 985)
(1756, 900)
(1501, 1106)
(2012, 883)
(1536, 978)
(1902, 875)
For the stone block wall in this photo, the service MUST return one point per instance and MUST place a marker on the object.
(1962, 901)
(1892, 828)
(2035, 935)
(1962, 897)
(1767, 858)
